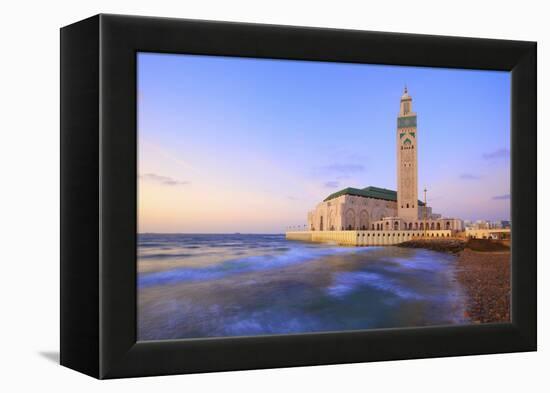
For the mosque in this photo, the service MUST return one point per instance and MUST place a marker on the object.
(379, 209)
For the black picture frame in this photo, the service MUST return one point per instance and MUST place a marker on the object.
(98, 195)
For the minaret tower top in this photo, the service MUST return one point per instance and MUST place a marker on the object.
(406, 103)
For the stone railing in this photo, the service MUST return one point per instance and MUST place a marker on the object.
(364, 238)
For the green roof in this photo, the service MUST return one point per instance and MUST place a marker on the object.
(368, 192)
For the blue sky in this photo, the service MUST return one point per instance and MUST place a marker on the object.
(250, 145)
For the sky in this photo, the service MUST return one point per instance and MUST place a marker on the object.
(228, 144)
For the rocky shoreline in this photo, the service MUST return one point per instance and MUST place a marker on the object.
(451, 245)
(486, 278)
(483, 269)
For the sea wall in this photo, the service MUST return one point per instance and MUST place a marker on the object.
(364, 238)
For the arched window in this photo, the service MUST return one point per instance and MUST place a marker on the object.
(407, 205)
(438, 226)
(410, 226)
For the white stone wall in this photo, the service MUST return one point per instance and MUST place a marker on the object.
(364, 238)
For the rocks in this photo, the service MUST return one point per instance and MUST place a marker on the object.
(451, 245)
(487, 245)
(486, 279)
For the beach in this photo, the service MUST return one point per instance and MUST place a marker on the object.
(483, 269)
(486, 279)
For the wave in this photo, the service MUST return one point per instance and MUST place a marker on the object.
(165, 256)
(346, 283)
(240, 265)
(424, 260)
(151, 245)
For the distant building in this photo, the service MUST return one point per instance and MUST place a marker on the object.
(488, 233)
(485, 224)
(505, 224)
(374, 208)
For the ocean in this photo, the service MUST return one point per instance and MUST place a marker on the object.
(201, 285)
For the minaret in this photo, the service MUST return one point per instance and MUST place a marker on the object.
(407, 162)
